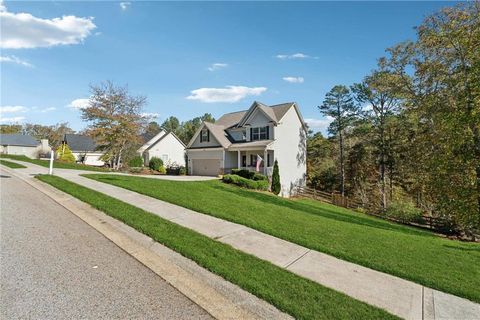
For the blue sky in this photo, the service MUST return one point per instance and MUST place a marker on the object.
(191, 58)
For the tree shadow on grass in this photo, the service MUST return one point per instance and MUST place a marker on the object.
(323, 212)
(463, 248)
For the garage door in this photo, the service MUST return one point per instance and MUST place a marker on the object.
(205, 167)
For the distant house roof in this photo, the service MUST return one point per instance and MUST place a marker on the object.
(80, 143)
(18, 140)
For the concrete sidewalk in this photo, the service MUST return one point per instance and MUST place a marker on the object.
(398, 296)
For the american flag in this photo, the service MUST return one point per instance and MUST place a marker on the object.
(259, 160)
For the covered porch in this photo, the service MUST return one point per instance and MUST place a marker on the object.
(247, 160)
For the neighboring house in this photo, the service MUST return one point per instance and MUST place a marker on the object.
(20, 144)
(164, 145)
(84, 149)
(238, 139)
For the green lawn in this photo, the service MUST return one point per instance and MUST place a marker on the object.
(12, 165)
(446, 265)
(302, 298)
(56, 164)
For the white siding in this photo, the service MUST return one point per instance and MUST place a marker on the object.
(212, 143)
(31, 152)
(231, 158)
(169, 147)
(151, 141)
(259, 119)
(91, 158)
(291, 152)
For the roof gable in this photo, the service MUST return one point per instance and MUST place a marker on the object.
(157, 140)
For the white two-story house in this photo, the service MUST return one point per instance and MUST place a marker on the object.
(238, 139)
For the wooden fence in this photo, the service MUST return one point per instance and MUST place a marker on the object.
(425, 222)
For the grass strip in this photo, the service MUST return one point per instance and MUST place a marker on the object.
(406, 252)
(301, 298)
(12, 165)
(56, 164)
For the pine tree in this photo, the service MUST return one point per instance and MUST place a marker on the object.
(276, 179)
(340, 106)
(65, 154)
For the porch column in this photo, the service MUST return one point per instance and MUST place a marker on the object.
(265, 156)
(238, 159)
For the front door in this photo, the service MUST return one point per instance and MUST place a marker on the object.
(244, 161)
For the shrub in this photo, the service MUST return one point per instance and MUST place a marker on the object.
(258, 177)
(249, 174)
(162, 170)
(135, 170)
(403, 211)
(155, 163)
(243, 173)
(182, 171)
(276, 179)
(65, 154)
(136, 162)
(246, 183)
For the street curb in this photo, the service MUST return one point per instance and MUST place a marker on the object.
(220, 298)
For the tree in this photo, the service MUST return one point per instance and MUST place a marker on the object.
(339, 105)
(54, 133)
(152, 128)
(276, 187)
(65, 154)
(321, 160)
(172, 124)
(10, 128)
(443, 101)
(190, 127)
(379, 92)
(115, 120)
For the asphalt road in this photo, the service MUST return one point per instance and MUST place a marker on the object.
(55, 266)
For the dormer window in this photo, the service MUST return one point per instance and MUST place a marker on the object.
(204, 135)
(259, 133)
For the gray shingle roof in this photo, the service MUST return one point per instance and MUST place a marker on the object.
(78, 142)
(230, 119)
(276, 112)
(18, 140)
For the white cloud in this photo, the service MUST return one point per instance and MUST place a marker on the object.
(44, 110)
(79, 103)
(319, 124)
(16, 60)
(23, 30)
(12, 109)
(293, 79)
(124, 5)
(11, 119)
(150, 115)
(293, 56)
(217, 66)
(228, 94)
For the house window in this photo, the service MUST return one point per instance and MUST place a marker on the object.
(244, 135)
(259, 133)
(204, 136)
(164, 158)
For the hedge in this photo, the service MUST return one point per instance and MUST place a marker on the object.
(246, 183)
(249, 174)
